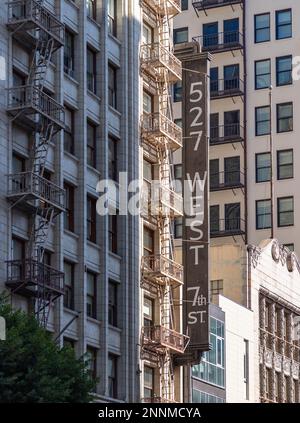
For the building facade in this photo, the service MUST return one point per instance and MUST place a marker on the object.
(70, 117)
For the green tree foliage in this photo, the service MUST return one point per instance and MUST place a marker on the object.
(34, 369)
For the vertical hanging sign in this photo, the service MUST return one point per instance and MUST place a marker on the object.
(195, 113)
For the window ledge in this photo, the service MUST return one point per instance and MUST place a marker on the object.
(71, 234)
(115, 255)
(93, 244)
(93, 169)
(71, 156)
(114, 38)
(71, 78)
(93, 320)
(114, 328)
(115, 111)
(94, 95)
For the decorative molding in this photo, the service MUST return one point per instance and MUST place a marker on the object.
(275, 250)
(254, 253)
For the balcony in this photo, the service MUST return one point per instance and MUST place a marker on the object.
(170, 8)
(160, 200)
(27, 16)
(210, 4)
(160, 338)
(224, 88)
(221, 42)
(157, 129)
(159, 269)
(224, 134)
(28, 275)
(26, 101)
(227, 180)
(227, 227)
(155, 58)
(27, 187)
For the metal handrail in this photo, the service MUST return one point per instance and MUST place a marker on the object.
(227, 39)
(31, 183)
(227, 226)
(158, 263)
(212, 3)
(226, 86)
(158, 52)
(166, 337)
(226, 132)
(159, 123)
(227, 179)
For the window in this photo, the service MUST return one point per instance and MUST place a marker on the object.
(284, 117)
(204, 397)
(112, 233)
(91, 144)
(290, 247)
(210, 35)
(148, 102)
(91, 219)
(231, 77)
(232, 171)
(284, 70)
(181, 35)
(246, 368)
(113, 303)
(148, 242)
(148, 382)
(91, 70)
(285, 164)
(285, 208)
(148, 311)
(69, 343)
(69, 285)
(69, 53)
(263, 167)
(232, 217)
(112, 376)
(178, 228)
(148, 34)
(112, 17)
(18, 254)
(263, 214)
(69, 131)
(18, 166)
(214, 219)
(231, 31)
(262, 74)
(91, 9)
(184, 5)
(19, 80)
(283, 24)
(91, 295)
(91, 355)
(214, 173)
(112, 158)
(262, 27)
(212, 367)
(232, 124)
(216, 288)
(214, 80)
(177, 94)
(262, 120)
(178, 122)
(214, 127)
(69, 207)
(112, 86)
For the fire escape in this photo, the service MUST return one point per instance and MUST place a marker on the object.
(39, 31)
(160, 274)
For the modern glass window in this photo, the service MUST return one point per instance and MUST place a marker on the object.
(284, 70)
(214, 219)
(285, 210)
(112, 375)
(91, 144)
(262, 74)
(212, 367)
(263, 214)
(262, 120)
(262, 27)
(177, 93)
(148, 382)
(91, 356)
(231, 77)
(113, 233)
(69, 285)
(91, 10)
(113, 303)
(181, 35)
(216, 288)
(184, 4)
(91, 70)
(231, 31)
(69, 53)
(283, 24)
(285, 164)
(91, 222)
(263, 167)
(112, 86)
(210, 35)
(205, 398)
(284, 117)
(69, 207)
(232, 217)
(112, 158)
(69, 133)
(91, 295)
(112, 17)
(148, 311)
